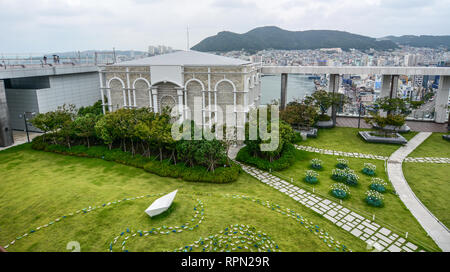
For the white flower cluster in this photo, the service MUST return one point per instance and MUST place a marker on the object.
(340, 186)
(375, 194)
(311, 173)
(316, 162)
(370, 166)
(342, 161)
(378, 181)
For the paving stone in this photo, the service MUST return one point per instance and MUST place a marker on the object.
(356, 232)
(411, 246)
(394, 248)
(349, 218)
(385, 231)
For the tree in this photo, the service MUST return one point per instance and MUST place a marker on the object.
(84, 126)
(299, 114)
(105, 129)
(186, 150)
(210, 153)
(396, 108)
(322, 100)
(95, 109)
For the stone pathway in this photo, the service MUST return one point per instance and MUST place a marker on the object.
(428, 160)
(438, 232)
(340, 153)
(370, 232)
(368, 156)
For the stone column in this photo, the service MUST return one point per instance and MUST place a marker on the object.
(394, 86)
(180, 103)
(155, 99)
(6, 136)
(442, 100)
(284, 78)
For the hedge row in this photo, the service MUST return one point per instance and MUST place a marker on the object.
(287, 159)
(163, 169)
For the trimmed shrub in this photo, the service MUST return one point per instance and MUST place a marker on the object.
(311, 177)
(287, 159)
(161, 168)
(369, 169)
(374, 198)
(316, 164)
(340, 190)
(342, 163)
(378, 185)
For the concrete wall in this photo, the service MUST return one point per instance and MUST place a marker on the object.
(20, 101)
(78, 89)
(6, 137)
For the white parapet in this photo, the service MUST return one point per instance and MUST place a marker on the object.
(161, 204)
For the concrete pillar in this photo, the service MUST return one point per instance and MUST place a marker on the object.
(442, 100)
(284, 78)
(6, 136)
(394, 86)
(385, 86)
(101, 91)
(333, 86)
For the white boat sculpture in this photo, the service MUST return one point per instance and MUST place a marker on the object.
(161, 204)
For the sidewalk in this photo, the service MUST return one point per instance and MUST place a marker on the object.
(437, 231)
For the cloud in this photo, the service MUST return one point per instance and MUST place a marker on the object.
(60, 25)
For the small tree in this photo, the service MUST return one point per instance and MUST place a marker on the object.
(84, 126)
(397, 109)
(210, 153)
(322, 100)
(299, 114)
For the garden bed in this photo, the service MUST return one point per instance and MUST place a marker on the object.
(369, 137)
(310, 133)
(402, 129)
(161, 168)
(286, 160)
(325, 124)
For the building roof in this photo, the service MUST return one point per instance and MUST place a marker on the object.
(185, 58)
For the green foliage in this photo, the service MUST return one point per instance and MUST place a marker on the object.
(311, 177)
(84, 126)
(95, 109)
(299, 114)
(340, 190)
(162, 168)
(374, 198)
(287, 159)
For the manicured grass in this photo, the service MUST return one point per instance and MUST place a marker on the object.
(434, 146)
(393, 213)
(348, 140)
(430, 183)
(37, 187)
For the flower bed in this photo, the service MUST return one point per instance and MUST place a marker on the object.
(346, 175)
(378, 185)
(311, 177)
(340, 190)
(374, 198)
(287, 159)
(369, 169)
(316, 164)
(342, 163)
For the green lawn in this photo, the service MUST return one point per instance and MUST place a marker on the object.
(393, 213)
(348, 140)
(430, 183)
(38, 187)
(434, 146)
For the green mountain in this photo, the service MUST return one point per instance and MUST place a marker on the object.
(271, 37)
(421, 41)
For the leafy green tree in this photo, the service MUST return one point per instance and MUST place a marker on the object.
(84, 126)
(95, 109)
(210, 153)
(299, 114)
(105, 129)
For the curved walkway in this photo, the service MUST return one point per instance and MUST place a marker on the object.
(437, 231)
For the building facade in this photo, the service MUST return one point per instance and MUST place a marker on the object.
(195, 83)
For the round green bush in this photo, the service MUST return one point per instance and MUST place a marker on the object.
(377, 187)
(374, 198)
(338, 193)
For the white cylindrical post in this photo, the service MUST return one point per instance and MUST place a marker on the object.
(155, 99)
(101, 92)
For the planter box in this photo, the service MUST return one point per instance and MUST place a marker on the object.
(311, 133)
(368, 137)
(402, 129)
(446, 137)
(325, 124)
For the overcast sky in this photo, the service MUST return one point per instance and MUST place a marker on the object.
(40, 26)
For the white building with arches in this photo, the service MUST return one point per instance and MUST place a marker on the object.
(198, 83)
